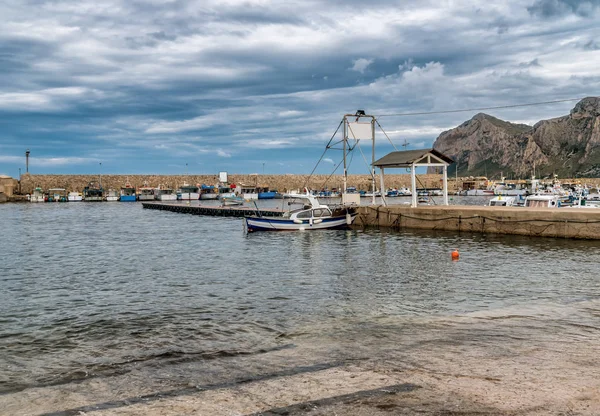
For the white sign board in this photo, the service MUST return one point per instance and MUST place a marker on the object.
(223, 177)
(359, 131)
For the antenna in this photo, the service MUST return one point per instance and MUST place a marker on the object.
(405, 144)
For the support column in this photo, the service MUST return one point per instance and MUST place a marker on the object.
(445, 184)
(413, 185)
(381, 186)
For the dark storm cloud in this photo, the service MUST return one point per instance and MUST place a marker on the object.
(240, 82)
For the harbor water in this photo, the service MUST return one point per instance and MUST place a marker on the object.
(143, 302)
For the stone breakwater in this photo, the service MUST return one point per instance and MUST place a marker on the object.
(282, 183)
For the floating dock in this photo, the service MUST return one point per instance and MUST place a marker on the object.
(579, 223)
(214, 211)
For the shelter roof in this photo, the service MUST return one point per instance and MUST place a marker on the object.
(404, 159)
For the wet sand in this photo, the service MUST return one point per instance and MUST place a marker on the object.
(489, 364)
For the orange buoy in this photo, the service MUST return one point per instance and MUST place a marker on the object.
(455, 255)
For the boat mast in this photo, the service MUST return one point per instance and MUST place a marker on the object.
(345, 132)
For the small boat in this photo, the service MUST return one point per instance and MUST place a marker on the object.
(188, 192)
(232, 200)
(542, 201)
(37, 195)
(208, 192)
(93, 192)
(112, 196)
(226, 192)
(502, 201)
(165, 194)
(248, 192)
(266, 193)
(127, 193)
(57, 195)
(75, 196)
(312, 216)
(146, 193)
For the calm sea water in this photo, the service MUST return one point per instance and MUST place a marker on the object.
(160, 300)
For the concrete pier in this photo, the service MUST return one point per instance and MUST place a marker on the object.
(213, 210)
(579, 223)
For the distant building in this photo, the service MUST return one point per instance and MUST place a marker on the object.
(8, 185)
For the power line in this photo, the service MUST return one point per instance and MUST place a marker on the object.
(479, 109)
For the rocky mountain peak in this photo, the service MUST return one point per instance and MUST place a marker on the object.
(586, 108)
(567, 146)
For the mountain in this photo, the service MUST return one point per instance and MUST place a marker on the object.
(568, 146)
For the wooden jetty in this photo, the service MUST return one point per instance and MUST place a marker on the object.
(214, 211)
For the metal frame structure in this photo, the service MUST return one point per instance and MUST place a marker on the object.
(413, 159)
(346, 130)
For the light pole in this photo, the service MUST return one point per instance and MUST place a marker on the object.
(100, 174)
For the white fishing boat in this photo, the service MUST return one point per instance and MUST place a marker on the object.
(75, 196)
(146, 193)
(502, 201)
(248, 192)
(165, 194)
(226, 192)
(189, 192)
(112, 196)
(37, 195)
(542, 201)
(312, 216)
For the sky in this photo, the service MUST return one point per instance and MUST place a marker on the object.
(257, 86)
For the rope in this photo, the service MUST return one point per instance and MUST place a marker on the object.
(479, 109)
(321, 158)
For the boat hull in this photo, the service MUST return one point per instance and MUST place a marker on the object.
(190, 196)
(128, 198)
(146, 197)
(166, 197)
(283, 224)
(205, 197)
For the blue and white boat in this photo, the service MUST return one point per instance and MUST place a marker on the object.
(127, 194)
(312, 216)
(208, 192)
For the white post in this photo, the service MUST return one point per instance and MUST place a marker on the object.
(413, 184)
(381, 186)
(445, 184)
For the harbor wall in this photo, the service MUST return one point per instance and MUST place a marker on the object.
(578, 223)
(282, 183)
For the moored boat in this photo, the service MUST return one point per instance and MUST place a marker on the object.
(57, 195)
(312, 216)
(93, 192)
(112, 196)
(146, 193)
(188, 192)
(75, 196)
(208, 192)
(232, 200)
(37, 195)
(165, 194)
(502, 201)
(127, 193)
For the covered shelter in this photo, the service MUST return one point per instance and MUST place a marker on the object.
(413, 159)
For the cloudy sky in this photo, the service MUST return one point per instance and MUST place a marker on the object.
(244, 86)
